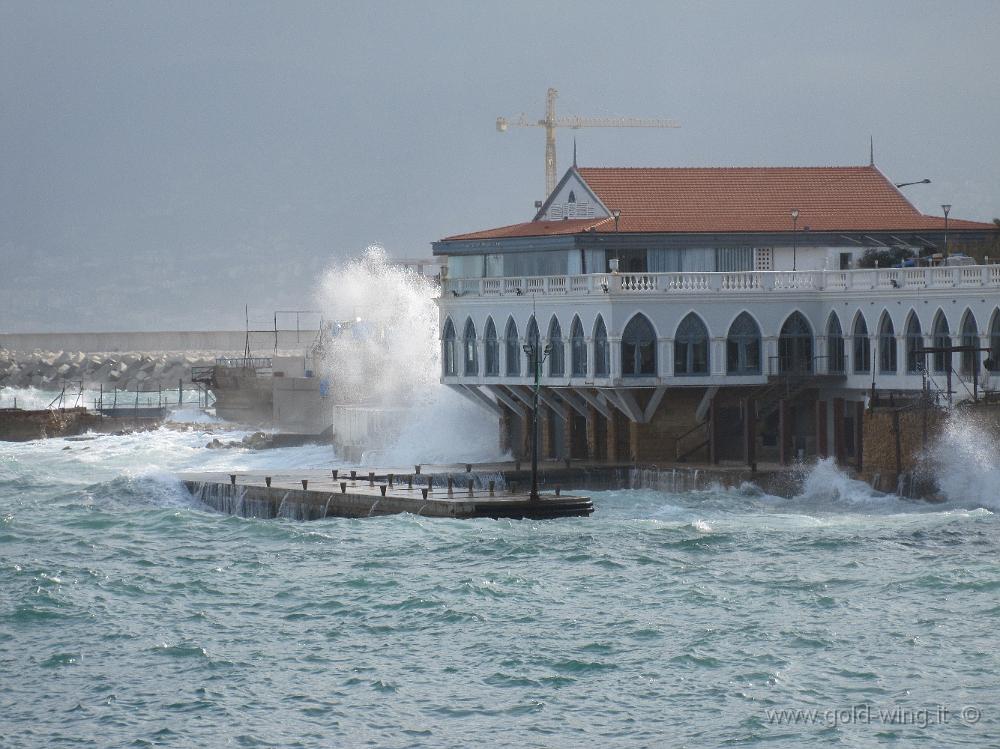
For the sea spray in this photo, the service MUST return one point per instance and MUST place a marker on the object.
(389, 357)
(964, 461)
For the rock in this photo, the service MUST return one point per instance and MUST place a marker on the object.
(215, 444)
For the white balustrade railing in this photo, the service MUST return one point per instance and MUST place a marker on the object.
(969, 276)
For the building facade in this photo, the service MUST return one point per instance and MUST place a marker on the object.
(714, 314)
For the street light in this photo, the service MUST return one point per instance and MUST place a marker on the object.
(795, 229)
(946, 207)
(529, 349)
(614, 262)
(918, 182)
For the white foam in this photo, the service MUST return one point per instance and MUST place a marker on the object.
(394, 359)
(965, 460)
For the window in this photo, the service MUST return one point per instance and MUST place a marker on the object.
(470, 355)
(743, 346)
(763, 258)
(491, 349)
(914, 343)
(533, 339)
(691, 347)
(602, 352)
(512, 350)
(942, 339)
(887, 363)
(734, 259)
(862, 346)
(557, 355)
(448, 349)
(795, 345)
(970, 337)
(638, 348)
(577, 349)
(834, 345)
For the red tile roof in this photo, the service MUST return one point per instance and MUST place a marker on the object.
(741, 199)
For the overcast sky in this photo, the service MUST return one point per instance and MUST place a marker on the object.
(164, 163)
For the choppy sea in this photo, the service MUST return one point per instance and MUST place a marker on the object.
(131, 615)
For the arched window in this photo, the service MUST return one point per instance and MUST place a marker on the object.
(795, 345)
(557, 355)
(691, 347)
(887, 356)
(578, 349)
(942, 339)
(491, 349)
(638, 348)
(834, 345)
(743, 346)
(512, 350)
(914, 343)
(995, 342)
(970, 337)
(602, 352)
(534, 341)
(862, 346)
(448, 349)
(572, 197)
(470, 356)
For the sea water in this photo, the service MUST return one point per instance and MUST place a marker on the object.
(132, 615)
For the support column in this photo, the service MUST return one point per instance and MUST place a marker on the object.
(613, 437)
(567, 440)
(592, 451)
(633, 441)
(821, 439)
(713, 433)
(859, 434)
(784, 432)
(838, 431)
(750, 432)
(505, 427)
(546, 443)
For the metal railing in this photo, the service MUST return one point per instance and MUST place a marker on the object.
(969, 276)
(244, 362)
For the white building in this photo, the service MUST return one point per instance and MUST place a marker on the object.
(737, 325)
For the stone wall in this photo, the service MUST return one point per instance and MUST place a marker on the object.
(896, 442)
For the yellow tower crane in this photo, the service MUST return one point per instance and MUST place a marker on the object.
(551, 122)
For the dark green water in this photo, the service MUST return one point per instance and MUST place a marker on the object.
(132, 616)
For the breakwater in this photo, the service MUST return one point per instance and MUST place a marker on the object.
(51, 370)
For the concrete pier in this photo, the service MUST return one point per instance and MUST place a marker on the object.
(314, 495)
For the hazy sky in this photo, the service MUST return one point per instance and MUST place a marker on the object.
(164, 163)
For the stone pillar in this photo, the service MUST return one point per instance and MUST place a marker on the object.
(750, 431)
(633, 441)
(613, 436)
(505, 427)
(784, 432)
(859, 434)
(592, 416)
(567, 441)
(713, 432)
(821, 439)
(838, 431)
(546, 443)
(615, 345)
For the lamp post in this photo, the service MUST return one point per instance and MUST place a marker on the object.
(946, 207)
(532, 352)
(614, 262)
(795, 232)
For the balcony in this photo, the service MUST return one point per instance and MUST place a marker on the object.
(882, 279)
